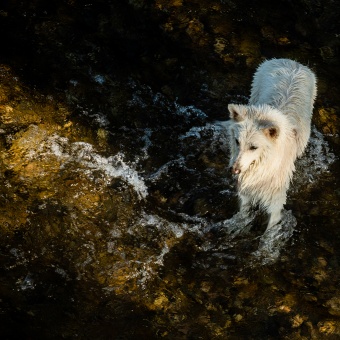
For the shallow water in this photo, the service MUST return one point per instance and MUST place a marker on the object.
(119, 218)
(112, 236)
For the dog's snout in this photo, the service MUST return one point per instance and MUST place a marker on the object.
(235, 169)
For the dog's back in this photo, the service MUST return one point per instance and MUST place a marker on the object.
(289, 87)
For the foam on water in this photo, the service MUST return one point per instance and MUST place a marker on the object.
(145, 266)
(193, 132)
(99, 79)
(189, 111)
(97, 117)
(153, 220)
(217, 130)
(142, 269)
(89, 162)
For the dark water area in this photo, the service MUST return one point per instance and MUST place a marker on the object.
(118, 213)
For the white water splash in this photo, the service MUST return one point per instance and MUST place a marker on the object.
(98, 78)
(217, 131)
(189, 111)
(90, 161)
(316, 160)
(274, 239)
(174, 229)
(238, 224)
(168, 234)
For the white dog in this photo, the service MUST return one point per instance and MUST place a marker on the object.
(268, 135)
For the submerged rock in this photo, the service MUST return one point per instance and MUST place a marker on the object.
(333, 306)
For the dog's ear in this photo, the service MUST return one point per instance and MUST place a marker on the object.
(272, 132)
(270, 129)
(237, 112)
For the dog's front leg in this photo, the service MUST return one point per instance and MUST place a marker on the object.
(245, 205)
(275, 209)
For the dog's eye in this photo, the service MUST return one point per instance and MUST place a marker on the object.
(253, 147)
(237, 142)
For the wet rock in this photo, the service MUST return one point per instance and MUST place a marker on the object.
(333, 306)
(327, 52)
(297, 321)
(238, 317)
(17, 117)
(160, 303)
(329, 328)
(328, 120)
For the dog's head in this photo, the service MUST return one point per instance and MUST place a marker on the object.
(252, 136)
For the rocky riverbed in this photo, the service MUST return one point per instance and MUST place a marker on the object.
(117, 208)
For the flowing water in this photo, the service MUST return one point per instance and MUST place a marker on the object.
(119, 219)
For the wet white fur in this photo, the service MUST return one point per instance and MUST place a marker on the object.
(277, 123)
